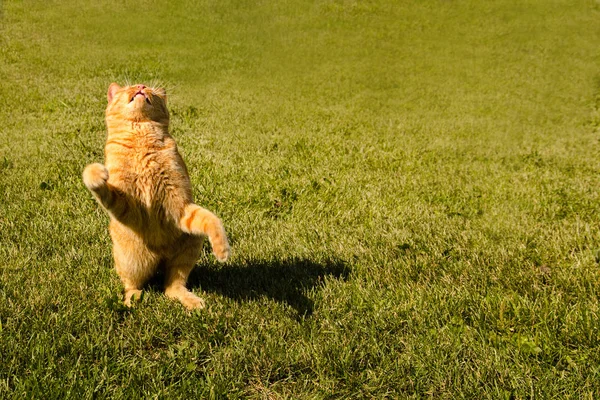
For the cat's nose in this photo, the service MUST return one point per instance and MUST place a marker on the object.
(140, 87)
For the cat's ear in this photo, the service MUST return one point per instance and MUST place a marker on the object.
(112, 89)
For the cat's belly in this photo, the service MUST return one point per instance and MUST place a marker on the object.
(157, 193)
(158, 239)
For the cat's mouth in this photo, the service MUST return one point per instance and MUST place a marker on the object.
(140, 93)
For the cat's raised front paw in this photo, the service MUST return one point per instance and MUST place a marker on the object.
(222, 251)
(95, 176)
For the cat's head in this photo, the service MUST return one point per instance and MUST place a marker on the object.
(137, 103)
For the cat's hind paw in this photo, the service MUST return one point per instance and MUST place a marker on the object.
(187, 298)
(95, 176)
(132, 296)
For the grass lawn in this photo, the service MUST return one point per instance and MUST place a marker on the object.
(411, 189)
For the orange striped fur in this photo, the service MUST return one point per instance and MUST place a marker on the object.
(145, 188)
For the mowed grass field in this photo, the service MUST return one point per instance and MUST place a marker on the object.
(411, 189)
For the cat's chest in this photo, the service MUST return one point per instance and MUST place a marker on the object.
(151, 176)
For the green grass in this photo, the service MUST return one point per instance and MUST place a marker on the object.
(411, 190)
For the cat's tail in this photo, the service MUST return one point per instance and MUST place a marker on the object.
(199, 221)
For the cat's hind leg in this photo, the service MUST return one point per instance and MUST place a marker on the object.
(134, 262)
(199, 221)
(177, 271)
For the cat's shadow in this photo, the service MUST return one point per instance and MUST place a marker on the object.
(284, 281)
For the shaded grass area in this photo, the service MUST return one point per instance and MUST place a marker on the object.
(410, 191)
(285, 281)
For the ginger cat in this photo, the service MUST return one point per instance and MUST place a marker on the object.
(145, 188)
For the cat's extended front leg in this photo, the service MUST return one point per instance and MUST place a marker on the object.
(199, 221)
(95, 177)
